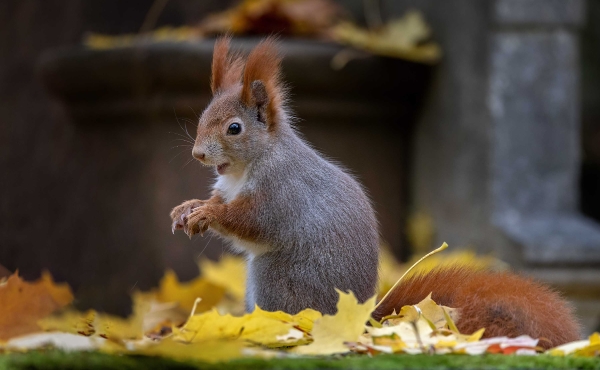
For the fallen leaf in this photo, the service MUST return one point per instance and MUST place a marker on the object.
(24, 303)
(118, 328)
(259, 327)
(70, 321)
(267, 17)
(304, 319)
(584, 348)
(57, 340)
(172, 290)
(229, 273)
(331, 331)
(163, 34)
(405, 38)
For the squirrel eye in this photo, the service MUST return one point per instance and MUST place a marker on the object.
(234, 129)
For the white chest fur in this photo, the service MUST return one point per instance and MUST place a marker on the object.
(231, 185)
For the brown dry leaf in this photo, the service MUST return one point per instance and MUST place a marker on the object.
(24, 303)
(282, 17)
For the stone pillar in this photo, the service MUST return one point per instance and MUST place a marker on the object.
(534, 106)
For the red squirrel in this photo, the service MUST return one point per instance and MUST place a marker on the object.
(307, 226)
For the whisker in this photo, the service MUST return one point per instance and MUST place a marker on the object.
(191, 122)
(183, 136)
(179, 123)
(186, 131)
(178, 146)
(195, 114)
(184, 140)
(205, 245)
(177, 155)
(188, 162)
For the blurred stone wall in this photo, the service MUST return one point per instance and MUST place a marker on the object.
(56, 175)
(73, 199)
(505, 153)
(590, 113)
(51, 210)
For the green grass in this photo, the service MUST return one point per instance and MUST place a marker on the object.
(93, 360)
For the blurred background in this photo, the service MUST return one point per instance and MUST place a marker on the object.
(471, 122)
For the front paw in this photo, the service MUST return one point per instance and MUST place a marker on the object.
(197, 222)
(179, 213)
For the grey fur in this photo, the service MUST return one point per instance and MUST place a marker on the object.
(318, 230)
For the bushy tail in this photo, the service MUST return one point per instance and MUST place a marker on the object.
(503, 303)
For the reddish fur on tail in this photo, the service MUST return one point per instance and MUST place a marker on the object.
(503, 303)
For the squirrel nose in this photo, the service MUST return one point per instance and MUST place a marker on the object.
(198, 154)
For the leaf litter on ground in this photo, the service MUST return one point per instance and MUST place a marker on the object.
(203, 320)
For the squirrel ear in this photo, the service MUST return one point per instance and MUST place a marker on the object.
(259, 93)
(260, 98)
(261, 82)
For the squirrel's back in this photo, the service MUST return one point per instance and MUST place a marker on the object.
(503, 303)
(323, 230)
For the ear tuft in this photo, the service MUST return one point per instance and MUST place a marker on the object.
(262, 85)
(226, 69)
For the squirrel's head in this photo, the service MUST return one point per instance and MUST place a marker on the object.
(246, 109)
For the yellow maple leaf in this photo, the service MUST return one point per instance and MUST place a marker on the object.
(304, 319)
(114, 327)
(405, 38)
(393, 342)
(437, 316)
(185, 294)
(70, 321)
(24, 303)
(258, 327)
(331, 331)
(229, 273)
(420, 328)
(170, 34)
(415, 334)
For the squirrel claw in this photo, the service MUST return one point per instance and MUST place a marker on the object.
(192, 230)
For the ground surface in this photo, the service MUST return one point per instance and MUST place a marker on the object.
(60, 360)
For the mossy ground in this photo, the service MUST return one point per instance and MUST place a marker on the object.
(79, 361)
